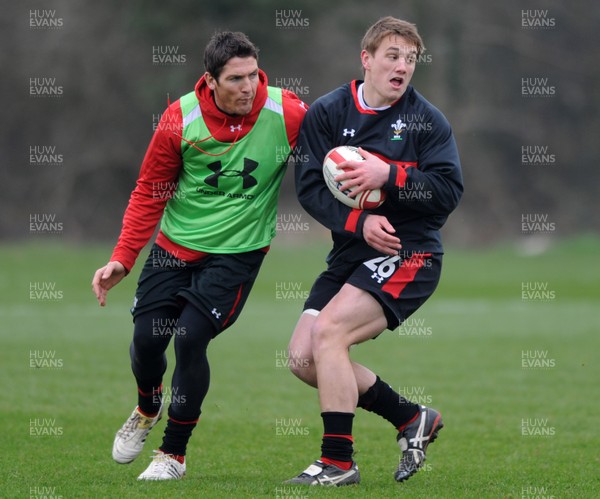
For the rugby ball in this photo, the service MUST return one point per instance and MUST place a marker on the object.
(366, 200)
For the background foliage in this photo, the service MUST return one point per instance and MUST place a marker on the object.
(477, 56)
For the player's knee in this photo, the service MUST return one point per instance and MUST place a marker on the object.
(300, 363)
(326, 333)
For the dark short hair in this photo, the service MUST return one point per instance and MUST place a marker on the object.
(225, 45)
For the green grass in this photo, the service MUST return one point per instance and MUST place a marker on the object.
(468, 365)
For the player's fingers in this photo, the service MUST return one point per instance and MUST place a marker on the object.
(390, 240)
(102, 298)
(387, 226)
(383, 248)
(349, 164)
(108, 271)
(363, 153)
(96, 280)
(356, 186)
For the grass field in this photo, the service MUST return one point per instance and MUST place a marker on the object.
(507, 349)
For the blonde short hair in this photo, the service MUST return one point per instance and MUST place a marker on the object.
(390, 26)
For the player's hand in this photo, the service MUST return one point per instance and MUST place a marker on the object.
(372, 173)
(105, 278)
(377, 232)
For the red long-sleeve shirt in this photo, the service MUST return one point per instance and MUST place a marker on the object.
(162, 163)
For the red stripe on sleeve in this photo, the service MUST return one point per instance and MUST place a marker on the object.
(400, 177)
(352, 220)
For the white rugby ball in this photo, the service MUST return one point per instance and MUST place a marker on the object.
(366, 200)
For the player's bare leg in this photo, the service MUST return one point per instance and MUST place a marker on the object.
(351, 317)
(301, 360)
(417, 425)
(336, 328)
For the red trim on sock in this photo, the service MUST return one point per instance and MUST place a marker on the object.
(150, 394)
(400, 428)
(348, 437)
(177, 457)
(184, 422)
(345, 465)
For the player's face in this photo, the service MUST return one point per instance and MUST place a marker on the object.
(388, 71)
(236, 87)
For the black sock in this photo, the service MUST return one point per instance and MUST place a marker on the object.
(177, 435)
(337, 439)
(150, 398)
(382, 400)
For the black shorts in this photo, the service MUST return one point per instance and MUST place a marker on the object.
(401, 284)
(218, 284)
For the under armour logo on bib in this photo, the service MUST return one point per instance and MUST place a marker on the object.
(247, 179)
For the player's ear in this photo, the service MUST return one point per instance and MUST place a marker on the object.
(210, 80)
(365, 58)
